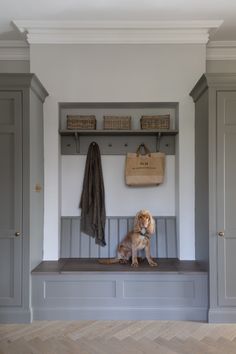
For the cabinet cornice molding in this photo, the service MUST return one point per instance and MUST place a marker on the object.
(14, 50)
(213, 80)
(221, 50)
(199, 88)
(22, 81)
(117, 32)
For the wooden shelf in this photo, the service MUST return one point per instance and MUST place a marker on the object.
(117, 142)
(103, 132)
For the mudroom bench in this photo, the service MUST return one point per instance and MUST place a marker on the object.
(77, 287)
(83, 289)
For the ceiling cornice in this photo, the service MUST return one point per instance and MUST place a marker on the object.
(221, 50)
(14, 50)
(117, 32)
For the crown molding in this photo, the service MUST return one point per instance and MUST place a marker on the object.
(117, 32)
(14, 50)
(221, 50)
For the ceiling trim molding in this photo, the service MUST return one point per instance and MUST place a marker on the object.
(14, 50)
(117, 32)
(221, 50)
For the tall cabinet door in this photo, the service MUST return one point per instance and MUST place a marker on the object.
(10, 197)
(226, 197)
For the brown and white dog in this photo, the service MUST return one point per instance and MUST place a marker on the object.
(135, 240)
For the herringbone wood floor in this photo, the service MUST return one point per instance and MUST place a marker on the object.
(116, 337)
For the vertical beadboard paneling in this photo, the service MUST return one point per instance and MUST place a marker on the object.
(130, 223)
(123, 228)
(161, 236)
(171, 238)
(104, 251)
(85, 245)
(113, 233)
(65, 237)
(154, 242)
(94, 249)
(75, 237)
(76, 244)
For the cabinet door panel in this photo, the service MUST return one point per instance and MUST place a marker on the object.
(226, 197)
(11, 197)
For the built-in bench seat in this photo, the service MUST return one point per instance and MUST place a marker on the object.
(75, 289)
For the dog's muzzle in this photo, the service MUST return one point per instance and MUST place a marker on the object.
(143, 231)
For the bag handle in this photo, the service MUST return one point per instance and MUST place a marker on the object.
(146, 150)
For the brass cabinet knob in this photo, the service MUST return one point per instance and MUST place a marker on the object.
(221, 233)
(17, 233)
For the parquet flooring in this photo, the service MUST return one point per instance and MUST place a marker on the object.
(116, 337)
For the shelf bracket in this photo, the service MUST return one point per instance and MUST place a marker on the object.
(77, 143)
(158, 141)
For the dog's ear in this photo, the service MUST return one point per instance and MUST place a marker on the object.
(151, 226)
(136, 222)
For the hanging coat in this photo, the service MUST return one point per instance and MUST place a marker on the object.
(92, 202)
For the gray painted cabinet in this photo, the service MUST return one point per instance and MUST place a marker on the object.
(21, 161)
(11, 197)
(215, 103)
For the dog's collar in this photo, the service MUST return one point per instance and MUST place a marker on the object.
(143, 232)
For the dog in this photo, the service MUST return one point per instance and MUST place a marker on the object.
(135, 240)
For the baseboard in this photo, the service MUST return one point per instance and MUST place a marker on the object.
(222, 315)
(178, 314)
(15, 315)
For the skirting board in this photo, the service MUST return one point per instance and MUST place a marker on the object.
(171, 314)
(11, 315)
(119, 295)
(222, 315)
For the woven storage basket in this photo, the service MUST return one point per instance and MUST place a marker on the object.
(155, 122)
(117, 122)
(81, 122)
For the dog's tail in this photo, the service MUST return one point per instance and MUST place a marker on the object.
(108, 260)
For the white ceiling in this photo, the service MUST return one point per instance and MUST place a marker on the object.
(119, 10)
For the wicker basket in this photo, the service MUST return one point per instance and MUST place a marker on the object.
(81, 122)
(155, 122)
(117, 122)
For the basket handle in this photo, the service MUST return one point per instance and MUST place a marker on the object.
(144, 147)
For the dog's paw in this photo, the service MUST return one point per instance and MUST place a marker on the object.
(123, 261)
(134, 264)
(153, 264)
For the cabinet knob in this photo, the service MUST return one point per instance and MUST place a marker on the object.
(221, 233)
(17, 233)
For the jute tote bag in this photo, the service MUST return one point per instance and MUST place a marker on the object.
(144, 169)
